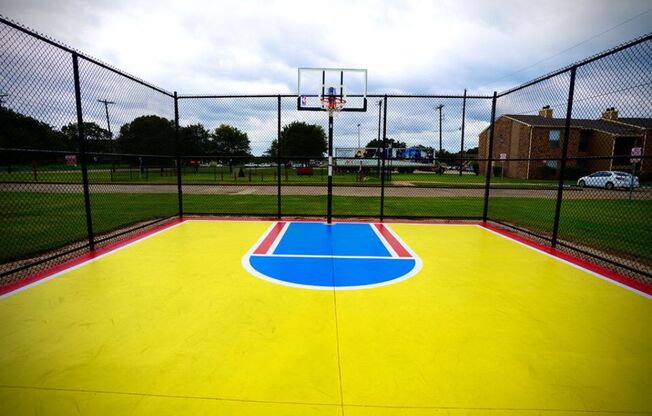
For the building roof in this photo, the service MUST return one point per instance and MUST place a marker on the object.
(600, 125)
(645, 123)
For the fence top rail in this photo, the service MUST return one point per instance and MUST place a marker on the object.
(18, 150)
(131, 155)
(76, 152)
(585, 61)
(438, 96)
(44, 38)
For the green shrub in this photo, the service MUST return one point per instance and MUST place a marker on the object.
(575, 172)
(544, 172)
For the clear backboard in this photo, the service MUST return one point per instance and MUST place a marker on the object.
(317, 86)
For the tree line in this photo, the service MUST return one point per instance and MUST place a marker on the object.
(154, 135)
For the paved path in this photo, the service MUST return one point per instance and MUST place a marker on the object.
(574, 193)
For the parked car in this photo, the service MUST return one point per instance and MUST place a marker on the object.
(608, 179)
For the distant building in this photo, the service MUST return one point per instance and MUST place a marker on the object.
(523, 137)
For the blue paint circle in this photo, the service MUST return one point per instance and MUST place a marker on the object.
(342, 255)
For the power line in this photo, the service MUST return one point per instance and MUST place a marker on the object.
(575, 46)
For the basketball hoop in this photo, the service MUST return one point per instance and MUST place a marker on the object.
(332, 101)
(331, 97)
(332, 104)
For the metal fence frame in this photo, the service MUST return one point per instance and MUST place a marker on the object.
(553, 240)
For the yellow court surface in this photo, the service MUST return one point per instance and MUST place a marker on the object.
(263, 318)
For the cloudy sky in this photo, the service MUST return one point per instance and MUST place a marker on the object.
(408, 46)
(241, 46)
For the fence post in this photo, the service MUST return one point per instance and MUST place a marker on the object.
(81, 140)
(463, 124)
(564, 155)
(278, 157)
(177, 139)
(382, 169)
(489, 159)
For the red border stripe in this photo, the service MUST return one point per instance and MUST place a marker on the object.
(270, 238)
(393, 242)
(607, 273)
(85, 257)
(610, 274)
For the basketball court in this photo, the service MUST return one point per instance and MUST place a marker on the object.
(200, 316)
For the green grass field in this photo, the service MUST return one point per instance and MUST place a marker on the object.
(221, 175)
(37, 222)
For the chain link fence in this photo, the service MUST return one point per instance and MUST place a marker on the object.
(83, 147)
(89, 155)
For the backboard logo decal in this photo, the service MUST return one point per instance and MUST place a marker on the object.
(339, 256)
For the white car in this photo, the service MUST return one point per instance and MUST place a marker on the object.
(608, 179)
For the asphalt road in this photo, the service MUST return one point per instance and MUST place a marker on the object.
(396, 191)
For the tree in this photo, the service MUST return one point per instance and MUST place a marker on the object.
(273, 148)
(448, 157)
(394, 144)
(24, 132)
(195, 140)
(97, 138)
(300, 140)
(147, 135)
(228, 142)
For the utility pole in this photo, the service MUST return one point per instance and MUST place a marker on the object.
(108, 125)
(439, 107)
(361, 155)
(108, 121)
(358, 135)
(2, 99)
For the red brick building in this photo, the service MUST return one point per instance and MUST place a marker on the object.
(521, 137)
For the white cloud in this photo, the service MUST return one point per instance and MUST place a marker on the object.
(413, 46)
(254, 47)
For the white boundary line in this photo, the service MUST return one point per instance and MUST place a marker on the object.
(577, 266)
(77, 266)
(323, 256)
(279, 237)
(418, 264)
(262, 237)
(388, 246)
(245, 259)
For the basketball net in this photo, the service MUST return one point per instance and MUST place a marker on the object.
(332, 104)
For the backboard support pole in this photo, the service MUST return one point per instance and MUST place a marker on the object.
(330, 167)
(329, 99)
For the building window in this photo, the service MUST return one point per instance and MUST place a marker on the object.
(553, 138)
(551, 164)
(584, 141)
